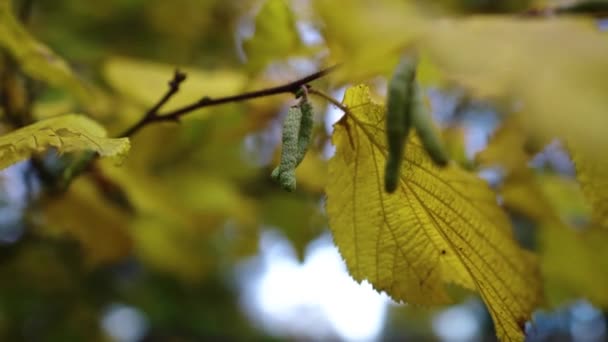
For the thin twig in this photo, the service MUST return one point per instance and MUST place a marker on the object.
(329, 99)
(175, 115)
(178, 78)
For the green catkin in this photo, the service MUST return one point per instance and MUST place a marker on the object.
(305, 134)
(398, 120)
(285, 172)
(426, 131)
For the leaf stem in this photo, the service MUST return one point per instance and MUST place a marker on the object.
(328, 98)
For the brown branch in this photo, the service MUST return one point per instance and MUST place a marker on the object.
(595, 8)
(178, 78)
(153, 116)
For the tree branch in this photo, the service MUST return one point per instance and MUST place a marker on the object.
(153, 116)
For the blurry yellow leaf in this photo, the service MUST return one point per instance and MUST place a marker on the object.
(212, 196)
(440, 226)
(427, 72)
(148, 194)
(67, 133)
(37, 60)
(566, 197)
(556, 70)
(572, 260)
(84, 215)
(312, 172)
(168, 247)
(592, 174)
(574, 264)
(454, 142)
(506, 149)
(275, 36)
(145, 82)
(366, 36)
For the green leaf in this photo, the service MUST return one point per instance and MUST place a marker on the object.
(440, 226)
(36, 59)
(66, 133)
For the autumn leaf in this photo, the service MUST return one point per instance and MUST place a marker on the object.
(592, 175)
(367, 37)
(144, 82)
(441, 226)
(276, 35)
(507, 149)
(66, 133)
(556, 204)
(100, 227)
(527, 65)
(37, 60)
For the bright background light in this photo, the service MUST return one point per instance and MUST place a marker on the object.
(315, 298)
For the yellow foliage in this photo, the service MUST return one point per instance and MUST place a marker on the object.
(275, 35)
(169, 247)
(572, 259)
(574, 264)
(95, 223)
(561, 93)
(592, 174)
(145, 82)
(66, 133)
(366, 36)
(506, 148)
(549, 80)
(441, 226)
(37, 60)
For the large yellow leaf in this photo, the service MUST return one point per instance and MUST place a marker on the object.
(37, 60)
(440, 226)
(555, 71)
(66, 133)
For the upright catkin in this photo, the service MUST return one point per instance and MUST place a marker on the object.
(398, 120)
(426, 131)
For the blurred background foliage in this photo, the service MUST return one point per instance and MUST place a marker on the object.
(174, 245)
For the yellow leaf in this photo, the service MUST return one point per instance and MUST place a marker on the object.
(169, 247)
(37, 60)
(559, 84)
(506, 148)
(84, 215)
(145, 82)
(67, 133)
(556, 203)
(574, 264)
(441, 226)
(275, 35)
(592, 175)
(366, 36)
